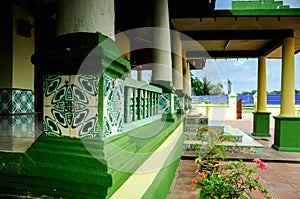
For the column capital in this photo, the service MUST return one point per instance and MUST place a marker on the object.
(166, 86)
(179, 93)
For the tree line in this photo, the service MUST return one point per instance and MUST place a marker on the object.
(205, 87)
(268, 92)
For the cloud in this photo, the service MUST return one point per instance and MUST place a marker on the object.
(292, 3)
(239, 62)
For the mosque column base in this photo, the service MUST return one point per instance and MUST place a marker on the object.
(261, 124)
(286, 134)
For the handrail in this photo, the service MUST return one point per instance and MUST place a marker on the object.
(141, 100)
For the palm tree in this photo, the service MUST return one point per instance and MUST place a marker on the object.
(206, 85)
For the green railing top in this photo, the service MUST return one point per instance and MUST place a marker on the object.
(141, 85)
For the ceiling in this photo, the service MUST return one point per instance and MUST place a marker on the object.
(206, 32)
(231, 37)
(219, 33)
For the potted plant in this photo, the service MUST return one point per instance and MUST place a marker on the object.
(211, 149)
(234, 180)
(218, 179)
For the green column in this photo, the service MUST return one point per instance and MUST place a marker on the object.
(261, 124)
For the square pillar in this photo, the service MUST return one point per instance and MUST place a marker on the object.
(16, 101)
(261, 124)
(287, 134)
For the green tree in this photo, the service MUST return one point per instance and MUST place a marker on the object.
(197, 86)
(205, 87)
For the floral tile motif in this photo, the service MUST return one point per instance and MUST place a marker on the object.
(70, 104)
(113, 113)
(14, 101)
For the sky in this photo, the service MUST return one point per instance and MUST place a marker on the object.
(243, 72)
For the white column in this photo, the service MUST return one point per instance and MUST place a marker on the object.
(139, 74)
(188, 79)
(177, 62)
(162, 62)
(185, 81)
(85, 16)
(231, 114)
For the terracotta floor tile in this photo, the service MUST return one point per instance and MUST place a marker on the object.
(184, 196)
(293, 180)
(271, 179)
(287, 194)
(280, 187)
(280, 179)
(258, 195)
(296, 186)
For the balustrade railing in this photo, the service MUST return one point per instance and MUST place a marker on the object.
(141, 101)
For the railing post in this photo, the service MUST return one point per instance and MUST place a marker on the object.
(149, 103)
(139, 104)
(134, 105)
(127, 115)
(145, 107)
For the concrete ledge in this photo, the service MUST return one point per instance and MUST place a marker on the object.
(161, 163)
(56, 167)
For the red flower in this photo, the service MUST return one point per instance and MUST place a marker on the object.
(257, 160)
(263, 166)
(201, 175)
(258, 178)
(194, 181)
(260, 163)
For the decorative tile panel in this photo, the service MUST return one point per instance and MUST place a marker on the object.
(113, 113)
(70, 105)
(14, 101)
(164, 103)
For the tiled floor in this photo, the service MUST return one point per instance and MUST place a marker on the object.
(18, 132)
(281, 179)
